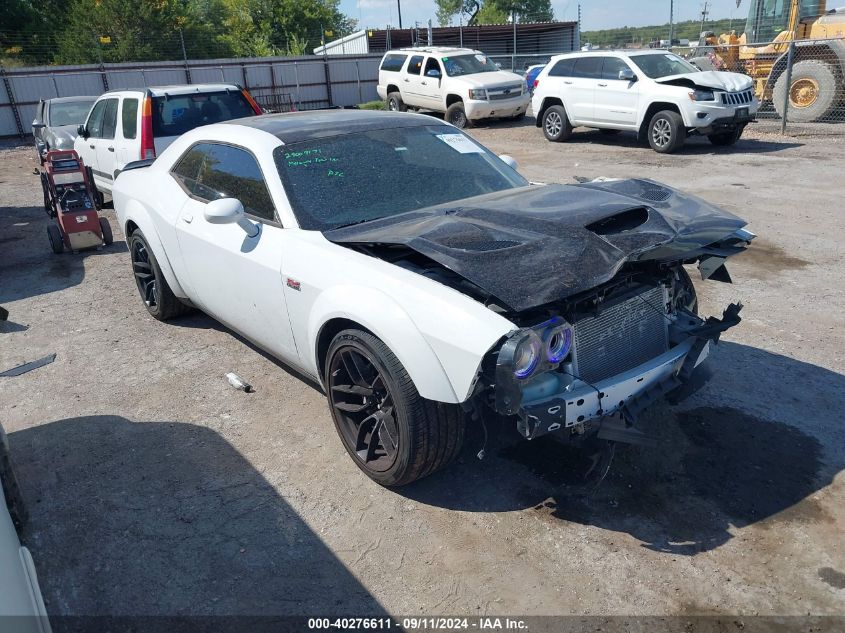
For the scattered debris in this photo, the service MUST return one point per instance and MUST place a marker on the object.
(239, 383)
(4, 313)
(22, 369)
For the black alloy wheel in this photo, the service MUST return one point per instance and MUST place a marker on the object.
(364, 409)
(145, 276)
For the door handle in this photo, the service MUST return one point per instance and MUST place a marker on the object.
(423, 83)
(111, 149)
(91, 146)
(603, 85)
(407, 80)
(188, 218)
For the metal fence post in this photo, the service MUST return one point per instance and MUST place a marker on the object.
(185, 57)
(789, 59)
(12, 103)
(358, 78)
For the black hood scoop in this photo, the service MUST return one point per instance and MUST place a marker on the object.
(534, 245)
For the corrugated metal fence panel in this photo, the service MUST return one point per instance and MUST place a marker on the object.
(304, 78)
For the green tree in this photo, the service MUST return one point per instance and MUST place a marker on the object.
(28, 30)
(495, 11)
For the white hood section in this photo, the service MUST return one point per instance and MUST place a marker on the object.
(488, 80)
(731, 82)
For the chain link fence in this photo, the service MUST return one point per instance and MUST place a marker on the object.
(800, 83)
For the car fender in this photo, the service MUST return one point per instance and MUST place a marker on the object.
(134, 212)
(441, 374)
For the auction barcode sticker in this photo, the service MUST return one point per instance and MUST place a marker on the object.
(460, 143)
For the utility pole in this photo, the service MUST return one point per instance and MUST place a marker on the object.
(399, 10)
(704, 18)
(671, 22)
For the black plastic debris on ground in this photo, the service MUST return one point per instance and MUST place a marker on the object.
(22, 369)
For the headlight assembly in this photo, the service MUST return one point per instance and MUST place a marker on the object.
(702, 95)
(478, 94)
(557, 340)
(521, 354)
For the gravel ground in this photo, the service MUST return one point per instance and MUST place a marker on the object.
(155, 488)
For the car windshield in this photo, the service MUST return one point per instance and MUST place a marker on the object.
(352, 178)
(176, 114)
(468, 65)
(70, 113)
(663, 65)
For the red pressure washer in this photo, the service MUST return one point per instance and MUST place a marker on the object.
(71, 197)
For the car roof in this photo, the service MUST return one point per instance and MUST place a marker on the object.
(90, 98)
(293, 127)
(176, 89)
(614, 51)
(434, 50)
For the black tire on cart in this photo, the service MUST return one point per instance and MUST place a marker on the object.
(55, 237)
(45, 187)
(105, 227)
(157, 296)
(11, 489)
(391, 432)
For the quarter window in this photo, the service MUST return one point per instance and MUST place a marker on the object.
(129, 118)
(588, 67)
(563, 68)
(415, 65)
(209, 171)
(393, 62)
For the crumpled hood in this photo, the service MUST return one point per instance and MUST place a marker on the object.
(721, 80)
(64, 134)
(533, 245)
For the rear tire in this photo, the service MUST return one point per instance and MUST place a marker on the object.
(105, 227)
(373, 399)
(457, 116)
(556, 126)
(725, 139)
(814, 94)
(395, 103)
(157, 296)
(666, 132)
(55, 237)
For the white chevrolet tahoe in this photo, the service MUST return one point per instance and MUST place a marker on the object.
(460, 82)
(128, 125)
(656, 94)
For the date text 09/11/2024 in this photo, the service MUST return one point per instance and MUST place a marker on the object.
(419, 623)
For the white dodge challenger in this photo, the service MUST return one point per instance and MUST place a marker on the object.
(424, 283)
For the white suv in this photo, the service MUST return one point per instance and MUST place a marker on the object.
(128, 125)
(460, 82)
(654, 93)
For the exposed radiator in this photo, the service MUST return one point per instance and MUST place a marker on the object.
(622, 336)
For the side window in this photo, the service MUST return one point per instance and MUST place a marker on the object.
(415, 65)
(129, 118)
(109, 123)
(393, 62)
(211, 170)
(95, 119)
(563, 68)
(611, 67)
(588, 67)
(432, 64)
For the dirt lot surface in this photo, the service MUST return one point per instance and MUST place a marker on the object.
(156, 488)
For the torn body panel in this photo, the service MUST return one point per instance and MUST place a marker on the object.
(530, 246)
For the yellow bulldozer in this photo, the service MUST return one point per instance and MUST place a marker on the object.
(815, 85)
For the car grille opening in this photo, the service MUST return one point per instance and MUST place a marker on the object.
(737, 98)
(624, 335)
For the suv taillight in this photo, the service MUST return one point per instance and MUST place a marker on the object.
(252, 102)
(148, 148)
(536, 82)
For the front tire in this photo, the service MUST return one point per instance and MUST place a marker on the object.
(556, 126)
(395, 103)
(392, 433)
(157, 296)
(726, 139)
(457, 116)
(666, 132)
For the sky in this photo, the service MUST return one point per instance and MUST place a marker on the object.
(595, 14)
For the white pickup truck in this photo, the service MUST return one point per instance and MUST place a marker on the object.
(656, 94)
(462, 83)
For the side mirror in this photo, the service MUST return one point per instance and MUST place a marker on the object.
(510, 161)
(627, 75)
(499, 65)
(81, 131)
(229, 211)
(37, 125)
(433, 73)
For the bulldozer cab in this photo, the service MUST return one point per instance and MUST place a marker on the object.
(768, 19)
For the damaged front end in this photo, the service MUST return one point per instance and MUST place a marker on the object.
(604, 356)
